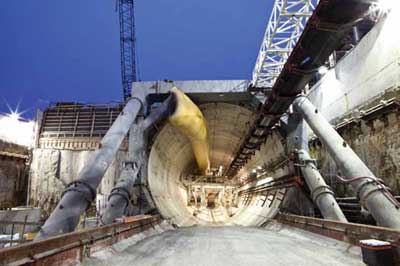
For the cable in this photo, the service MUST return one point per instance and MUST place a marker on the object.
(388, 194)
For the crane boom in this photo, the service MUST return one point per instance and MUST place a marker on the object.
(127, 42)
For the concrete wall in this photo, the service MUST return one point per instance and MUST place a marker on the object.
(52, 169)
(194, 86)
(13, 174)
(366, 72)
(202, 91)
(271, 152)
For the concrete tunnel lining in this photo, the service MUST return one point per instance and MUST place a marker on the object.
(171, 158)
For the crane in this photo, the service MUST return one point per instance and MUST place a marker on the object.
(128, 45)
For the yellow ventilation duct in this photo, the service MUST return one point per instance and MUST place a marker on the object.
(189, 120)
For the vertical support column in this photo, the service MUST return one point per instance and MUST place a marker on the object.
(372, 193)
(321, 193)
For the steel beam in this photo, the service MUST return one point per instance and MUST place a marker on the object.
(80, 193)
(373, 195)
(323, 32)
(128, 45)
(321, 193)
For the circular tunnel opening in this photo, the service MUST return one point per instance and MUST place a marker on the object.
(186, 198)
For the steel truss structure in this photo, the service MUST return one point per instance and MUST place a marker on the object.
(286, 23)
(319, 37)
(127, 42)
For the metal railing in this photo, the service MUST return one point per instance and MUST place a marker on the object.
(74, 246)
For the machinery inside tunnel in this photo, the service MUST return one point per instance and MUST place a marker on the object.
(303, 157)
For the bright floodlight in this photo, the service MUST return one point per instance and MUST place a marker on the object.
(14, 116)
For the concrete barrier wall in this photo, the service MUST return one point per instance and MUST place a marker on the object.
(52, 169)
(366, 76)
(365, 72)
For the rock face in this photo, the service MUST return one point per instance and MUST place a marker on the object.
(52, 169)
(13, 174)
(375, 137)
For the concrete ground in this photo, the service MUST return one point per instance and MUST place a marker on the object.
(275, 245)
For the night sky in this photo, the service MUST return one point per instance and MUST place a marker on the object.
(69, 50)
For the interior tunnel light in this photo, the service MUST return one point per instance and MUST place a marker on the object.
(323, 70)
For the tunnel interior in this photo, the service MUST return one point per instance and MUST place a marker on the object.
(186, 198)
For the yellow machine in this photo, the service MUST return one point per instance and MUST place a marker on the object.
(189, 120)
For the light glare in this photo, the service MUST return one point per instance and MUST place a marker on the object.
(13, 129)
(14, 116)
(386, 5)
(382, 7)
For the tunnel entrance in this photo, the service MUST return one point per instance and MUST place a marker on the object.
(186, 198)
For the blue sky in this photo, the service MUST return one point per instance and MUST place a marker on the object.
(69, 50)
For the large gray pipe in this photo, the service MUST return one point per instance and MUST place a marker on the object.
(119, 199)
(321, 193)
(80, 193)
(383, 207)
(121, 194)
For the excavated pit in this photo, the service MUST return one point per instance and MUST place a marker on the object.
(171, 160)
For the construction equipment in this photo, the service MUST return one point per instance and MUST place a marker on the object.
(128, 45)
(321, 194)
(370, 190)
(188, 119)
(321, 35)
(79, 194)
